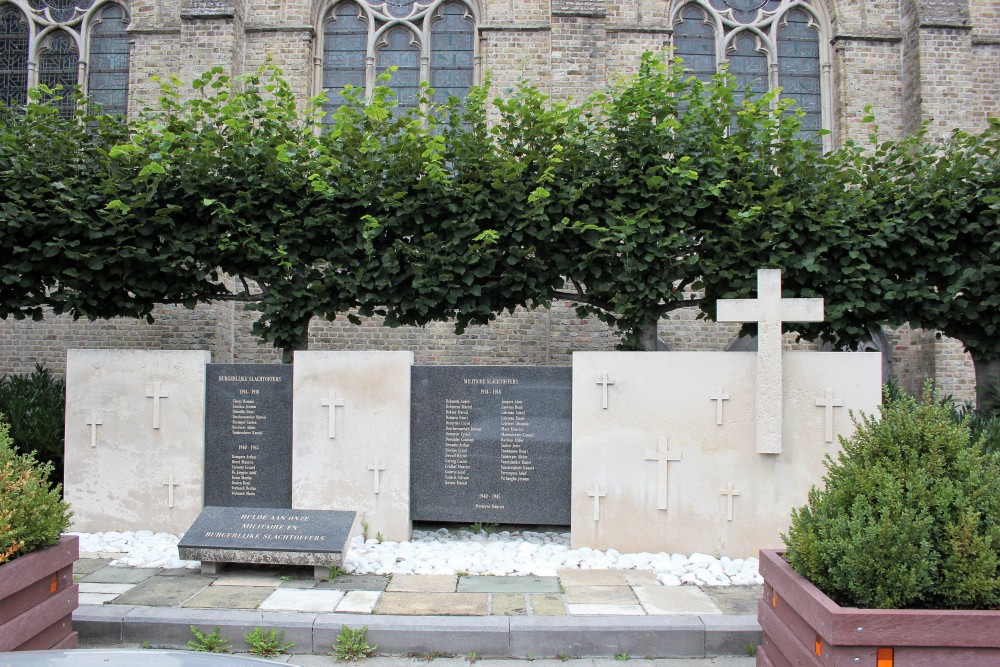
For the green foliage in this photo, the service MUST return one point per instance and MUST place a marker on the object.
(32, 513)
(983, 425)
(267, 642)
(352, 645)
(909, 517)
(212, 642)
(34, 405)
(622, 656)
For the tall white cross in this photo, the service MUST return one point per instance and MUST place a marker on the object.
(729, 492)
(333, 404)
(93, 422)
(663, 457)
(719, 397)
(156, 392)
(375, 468)
(604, 380)
(170, 484)
(769, 311)
(829, 402)
(597, 494)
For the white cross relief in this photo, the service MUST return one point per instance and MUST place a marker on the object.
(156, 392)
(729, 492)
(769, 311)
(719, 397)
(376, 468)
(597, 494)
(333, 404)
(170, 484)
(604, 380)
(663, 457)
(829, 402)
(93, 422)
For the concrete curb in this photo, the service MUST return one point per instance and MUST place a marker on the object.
(680, 636)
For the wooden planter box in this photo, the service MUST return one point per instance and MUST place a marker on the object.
(802, 626)
(37, 598)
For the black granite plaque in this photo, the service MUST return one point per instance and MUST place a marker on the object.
(491, 444)
(267, 536)
(248, 435)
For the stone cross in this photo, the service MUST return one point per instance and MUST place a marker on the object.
(829, 402)
(719, 397)
(156, 392)
(769, 311)
(597, 494)
(333, 404)
(93, 422)
(375, 468)
(729, 492)
(170, 484)
(663, 457)
(604, 380)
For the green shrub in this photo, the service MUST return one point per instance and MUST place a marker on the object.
(32, 513)
(908, 517)
(34, 405)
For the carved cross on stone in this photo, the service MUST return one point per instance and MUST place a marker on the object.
(333, 404)
(729, 492)
(376, 468)
(93, 422)
(605, 381)
(597, 494)
(719, 397)
(829, 402)
(156, 392)
(663, 457)
(769, 311)
(170, 484)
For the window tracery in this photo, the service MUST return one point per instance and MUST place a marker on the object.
(65, 42)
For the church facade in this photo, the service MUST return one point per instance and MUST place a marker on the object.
(910, 60)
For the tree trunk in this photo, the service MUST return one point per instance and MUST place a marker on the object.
(648, 338)
(987, 384)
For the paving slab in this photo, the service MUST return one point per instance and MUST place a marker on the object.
(508, 604)
(423, 583)
(357, 582)
(229, 597)
(432, 604)
(296, 599)
(604, 610)
(358, 602)
(179, 572)
(592, 578)
(99, 587)
(119, 575)
(658, 600)
(600, 595)
(548, 604)
(85, 566)
(479, 584)
(302, 584)
(96, 598)
(234, 577)
(737, 600)
(641, 578)
(163, 591)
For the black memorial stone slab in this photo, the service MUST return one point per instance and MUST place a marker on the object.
(248, 435)
(491, 444)
(268, 536)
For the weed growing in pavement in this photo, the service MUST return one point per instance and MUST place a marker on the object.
(472, 657)
(213, 642)
(352, 644)
(267, 642)
(750, 648)
(622, 656)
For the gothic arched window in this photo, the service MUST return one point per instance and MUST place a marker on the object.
(433, 42)
(766, 44)
(65, 43)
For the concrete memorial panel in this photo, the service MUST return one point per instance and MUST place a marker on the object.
(351, 428)
(248, 435)
(671, 463)
(135, 439)
(267, 536)
(491, 444)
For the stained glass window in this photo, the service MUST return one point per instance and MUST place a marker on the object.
(798, 68)
(345, 40)
(107, 82)
(452, 48)
(694, 42)
(62, 10)
(401, 50)
(13, 56)
(58, 65)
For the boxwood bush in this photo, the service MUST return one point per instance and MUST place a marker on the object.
(909, 516)
(34, 405)
(32, 512)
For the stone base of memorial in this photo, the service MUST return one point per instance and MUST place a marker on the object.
(37, 598)
(802, 626)
(265, 536)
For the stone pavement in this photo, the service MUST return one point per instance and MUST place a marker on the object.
(598, 613)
